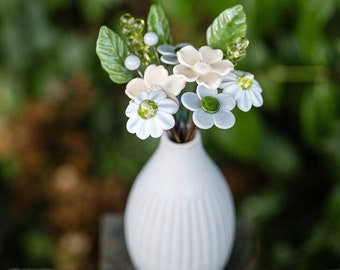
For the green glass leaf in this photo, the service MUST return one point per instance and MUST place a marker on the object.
(228, 27)
(158, 23)
(112, 51)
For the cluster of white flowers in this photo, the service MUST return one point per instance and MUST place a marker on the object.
(158, 94)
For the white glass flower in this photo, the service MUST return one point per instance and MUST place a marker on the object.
(150, 113)
(244, 88)
(210, 108)
(205, 66)
(155, 78)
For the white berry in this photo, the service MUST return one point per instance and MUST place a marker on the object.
(132, 62)
(150, 39)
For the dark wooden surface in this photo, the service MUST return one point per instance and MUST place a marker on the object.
(114, 256)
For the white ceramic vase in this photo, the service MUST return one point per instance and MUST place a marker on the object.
(180, 211)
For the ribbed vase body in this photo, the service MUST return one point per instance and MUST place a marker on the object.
(180, 211)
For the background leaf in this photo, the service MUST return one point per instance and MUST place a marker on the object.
(112, 52)
(226, 28)
(158, 23)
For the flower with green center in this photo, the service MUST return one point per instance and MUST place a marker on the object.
(210, 108)
(150, 113)
(156, 78)
(205, 66)
(244, 88)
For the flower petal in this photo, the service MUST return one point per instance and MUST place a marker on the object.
(155, 75)
(189, 74)
(155, 130)
(209, 55)
(134, 87)
(232, 88)
(174, 84)
(164, 120)
(166, 49)
(133, 124)
(169, 59)
(245, 101)
(210, 80)
(230, 77)
(202, 119)
(144, 130)
(131, 110)
(191, 101)
(167, 105)
(141, 97)
(222, 67)
(256, 86)
(256, 98)
(224, 119)
(203, 91)
(157, 96)
(188, 55)
(227, 102)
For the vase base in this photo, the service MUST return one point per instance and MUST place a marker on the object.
(114, 256)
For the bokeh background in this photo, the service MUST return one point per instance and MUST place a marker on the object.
(66, 158)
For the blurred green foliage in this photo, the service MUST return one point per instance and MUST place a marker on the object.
(290, 147)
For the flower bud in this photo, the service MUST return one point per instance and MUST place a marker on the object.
(132, 62)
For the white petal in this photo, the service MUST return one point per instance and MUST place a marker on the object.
(141, 97)
(256, 87)
(191, 101)
(155, 75)
(224, 119)
(157, 96)
(169, 59)
(174, 84)
(245, 101)
(133, 124)
(166, 49)
(189, 74)
(165, 120)
(232, 88)
(227, 102)
(203, 91)
(167, 105)
(173, 98)
(188, 55)
(144, 130)
(134, 87)
(155, 130)
(210, 80)
(230, 77)
(202, 119)
(209, 55)
(131, 110)
(222, 67)
(256, 98)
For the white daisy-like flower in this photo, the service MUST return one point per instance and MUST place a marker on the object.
(155, 78)
(205, 66)
(244, 88)
(210, 108)
(150, 113)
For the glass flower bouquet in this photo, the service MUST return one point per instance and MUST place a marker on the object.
(178, 88)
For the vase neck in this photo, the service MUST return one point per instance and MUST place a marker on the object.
(169, 145)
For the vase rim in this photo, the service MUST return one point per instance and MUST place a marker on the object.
(195, 140)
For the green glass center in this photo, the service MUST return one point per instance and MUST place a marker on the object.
(210, 104)
(147, 109)
(245, 82)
